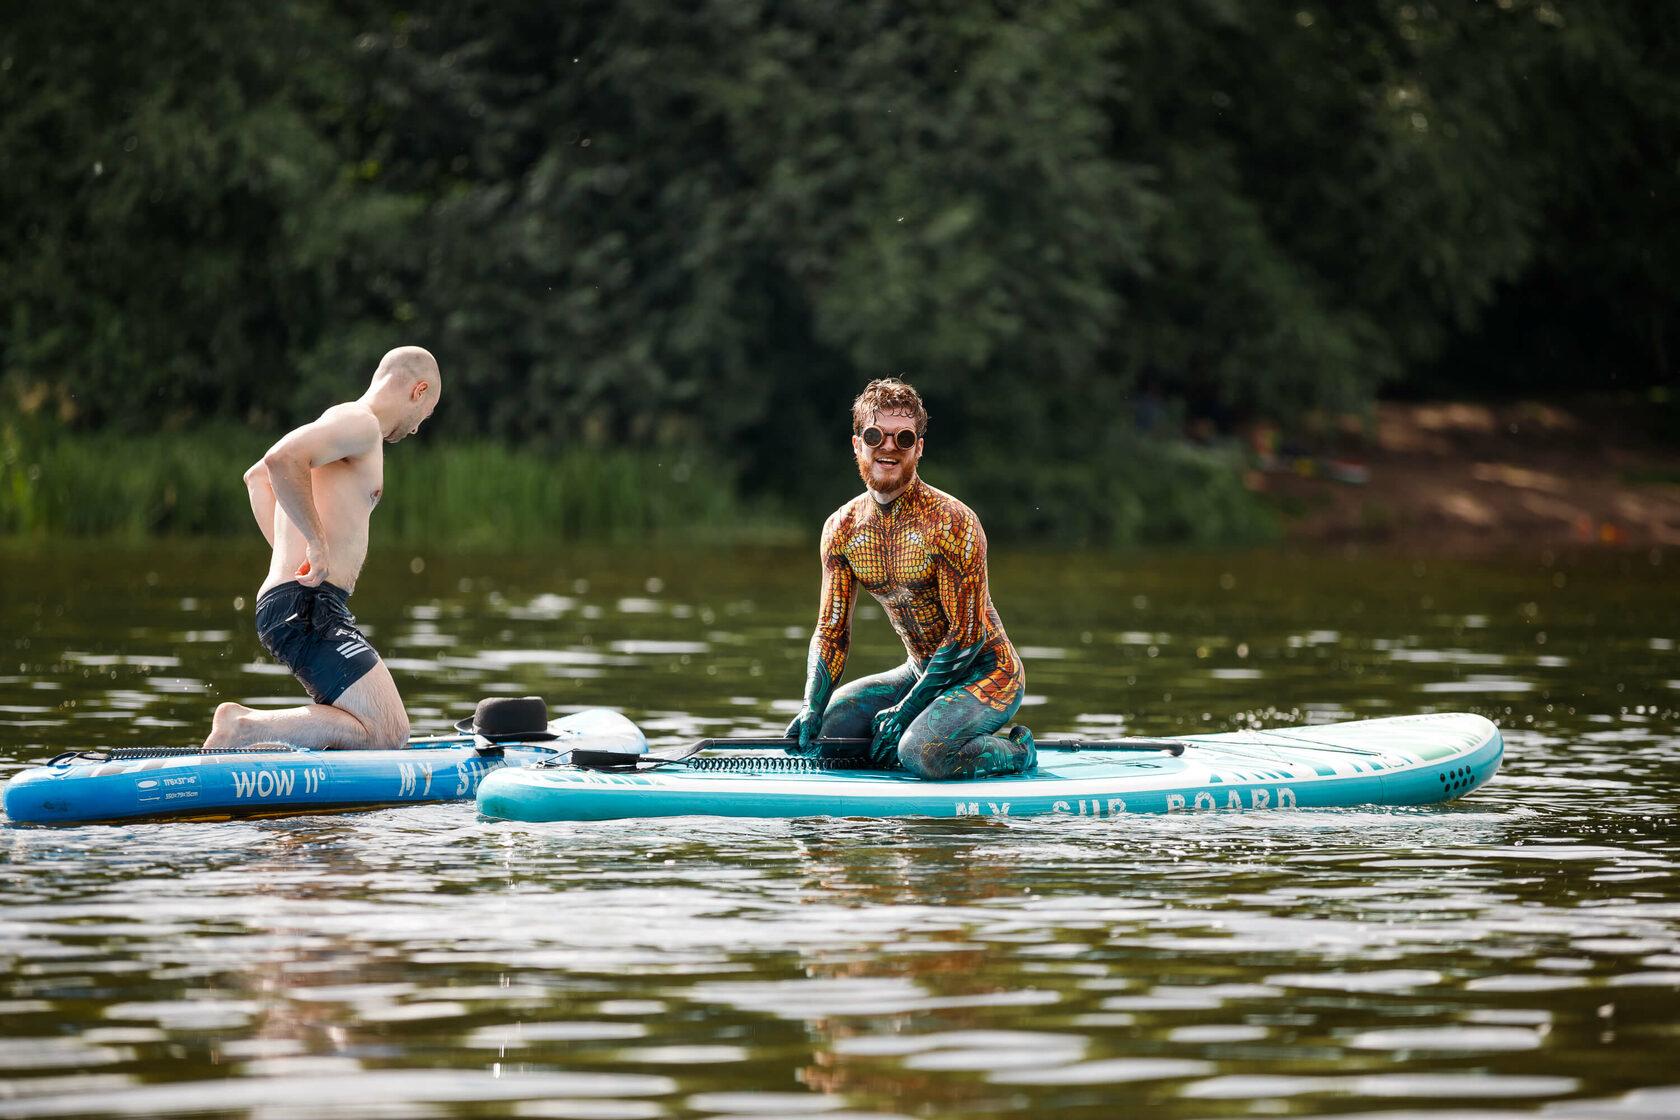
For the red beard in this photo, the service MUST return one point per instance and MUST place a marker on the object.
(901, 479)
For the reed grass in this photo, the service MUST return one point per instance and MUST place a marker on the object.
(136, 486)
(484, 493)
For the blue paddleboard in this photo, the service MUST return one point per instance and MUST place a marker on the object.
(133, 784)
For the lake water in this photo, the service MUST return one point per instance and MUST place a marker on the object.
(1513, 954)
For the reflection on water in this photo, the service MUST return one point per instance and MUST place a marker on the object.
(1514, 953)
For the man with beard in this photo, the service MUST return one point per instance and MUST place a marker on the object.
(312, 495)
(922, 555)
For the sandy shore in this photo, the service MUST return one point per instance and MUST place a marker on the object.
(1465, 477)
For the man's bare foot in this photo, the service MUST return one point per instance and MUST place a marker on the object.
(225, 726)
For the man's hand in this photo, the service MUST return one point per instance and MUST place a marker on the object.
(806, 727)
(890, 724)
(313, 571)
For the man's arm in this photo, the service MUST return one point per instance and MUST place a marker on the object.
(832, 638)
(262, 499)
(342, 432)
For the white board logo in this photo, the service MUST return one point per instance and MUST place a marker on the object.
(1202, 801)
(263, 783)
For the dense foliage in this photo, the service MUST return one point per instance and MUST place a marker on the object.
(652, 224)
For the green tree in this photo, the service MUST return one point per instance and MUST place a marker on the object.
(632, 223)
(183, 236)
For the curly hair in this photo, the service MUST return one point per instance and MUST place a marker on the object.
(888, 394)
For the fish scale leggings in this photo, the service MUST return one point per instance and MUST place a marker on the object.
(953, 737)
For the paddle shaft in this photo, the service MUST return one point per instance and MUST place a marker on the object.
(861, 746)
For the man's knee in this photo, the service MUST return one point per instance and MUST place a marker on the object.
(374, 702)
(935, 759)
(392, 731)
(846, 721)
(380, 730)
(387, 724)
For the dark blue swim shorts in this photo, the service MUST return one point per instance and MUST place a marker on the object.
(311, 631)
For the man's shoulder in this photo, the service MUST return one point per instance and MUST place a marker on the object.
(348, 412)
(344, 431)
(957, 531)
(355, 419)
(846, 518)
(946, 505)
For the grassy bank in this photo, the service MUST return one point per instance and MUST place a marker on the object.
(106, 485)
(1149, 492)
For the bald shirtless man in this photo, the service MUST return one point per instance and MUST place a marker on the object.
(922, 555)
(312, 494)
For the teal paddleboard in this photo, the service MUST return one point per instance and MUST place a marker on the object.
(1402, 760)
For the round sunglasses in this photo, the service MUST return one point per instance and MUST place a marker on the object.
(905, 438)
